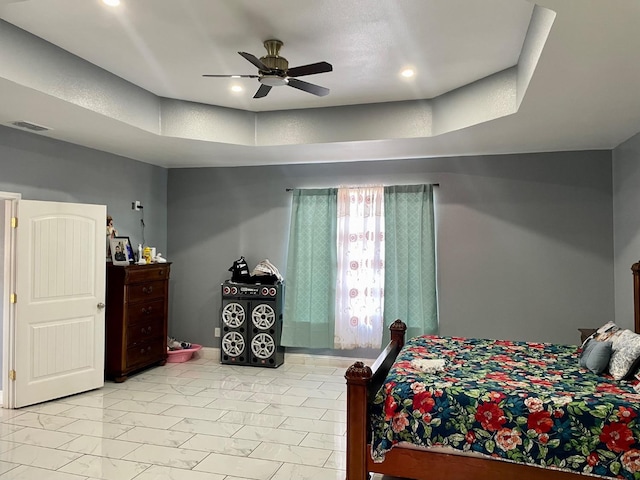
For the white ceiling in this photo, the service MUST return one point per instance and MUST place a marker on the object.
(165, 46)
(581, 95)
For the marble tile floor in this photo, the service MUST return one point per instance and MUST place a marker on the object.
(198, 420)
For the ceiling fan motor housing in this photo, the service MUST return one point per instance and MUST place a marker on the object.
(276, 76)
(273, 60)
(275, 63)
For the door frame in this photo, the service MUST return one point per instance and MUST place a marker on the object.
(7, 316)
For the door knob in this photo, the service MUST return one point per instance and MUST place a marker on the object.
(101, 305)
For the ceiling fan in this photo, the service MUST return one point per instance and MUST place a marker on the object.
(274, 71)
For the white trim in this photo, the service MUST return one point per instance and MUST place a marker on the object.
(10, 196)
(212, 353)
(7, 268)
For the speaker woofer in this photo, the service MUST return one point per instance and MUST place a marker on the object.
(233, 315)
(233, 344)
(263, 316)
(263, 346)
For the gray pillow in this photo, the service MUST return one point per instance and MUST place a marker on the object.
(595, 356)
(624, 355)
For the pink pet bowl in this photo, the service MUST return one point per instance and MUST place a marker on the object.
(179, 356)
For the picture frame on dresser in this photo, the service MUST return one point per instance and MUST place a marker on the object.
(120, 250)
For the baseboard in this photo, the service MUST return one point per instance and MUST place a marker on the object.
(212, 353)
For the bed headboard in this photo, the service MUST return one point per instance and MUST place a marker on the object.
(635, 268)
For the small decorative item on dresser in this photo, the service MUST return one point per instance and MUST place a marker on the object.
(111, 233)
(120, 250)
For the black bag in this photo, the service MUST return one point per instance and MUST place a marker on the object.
(240, 271)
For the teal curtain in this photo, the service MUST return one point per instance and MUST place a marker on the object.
(309, 305)
(410, 260)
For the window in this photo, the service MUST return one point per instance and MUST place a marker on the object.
(360, 268)
(359, 258)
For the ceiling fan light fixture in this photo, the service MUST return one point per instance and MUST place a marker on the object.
(111, 3)
(273, 80)
(236, 88)
(408, 73)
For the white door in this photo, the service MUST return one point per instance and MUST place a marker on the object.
(59, 310)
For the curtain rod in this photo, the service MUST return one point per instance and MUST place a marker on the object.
(432, 184)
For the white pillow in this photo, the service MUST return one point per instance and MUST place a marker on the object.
(625, 355)
(606, 331)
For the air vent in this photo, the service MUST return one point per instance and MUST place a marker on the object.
(34, 127)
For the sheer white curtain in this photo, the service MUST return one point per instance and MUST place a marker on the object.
(360, 272)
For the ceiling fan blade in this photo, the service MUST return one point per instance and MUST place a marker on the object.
(312, 68)
(262, 91)
(308, 87)
(231, 76)
(255, 60)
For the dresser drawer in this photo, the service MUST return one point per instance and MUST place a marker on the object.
(145, 353)
(148, 330)
(147, 273)
(145, 291)
(145, 311)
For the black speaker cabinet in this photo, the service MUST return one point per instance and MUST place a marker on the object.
(234, 343)
(252, 324)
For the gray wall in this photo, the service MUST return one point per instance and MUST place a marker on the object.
(626, 214)
(41, 168)
(525, 246)
(525, 243)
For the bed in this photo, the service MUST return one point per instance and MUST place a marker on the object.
(511, 406)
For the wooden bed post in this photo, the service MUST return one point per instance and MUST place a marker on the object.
(358, 376)
(362, 383)
(398, 329)
(635, 268)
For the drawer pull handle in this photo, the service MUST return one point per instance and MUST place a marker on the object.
(148, 289)
(146, 331)
(147, 311)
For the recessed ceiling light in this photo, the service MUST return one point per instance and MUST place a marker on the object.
(111, 3)
(236, 88)
(408, 73)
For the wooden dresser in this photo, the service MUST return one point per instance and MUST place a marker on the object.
(136, 318)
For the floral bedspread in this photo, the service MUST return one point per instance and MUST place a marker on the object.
(521, 402)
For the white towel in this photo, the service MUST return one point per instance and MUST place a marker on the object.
(428, 365)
